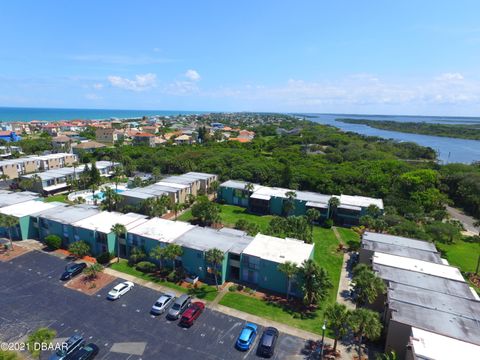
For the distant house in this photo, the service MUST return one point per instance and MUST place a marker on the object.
(6, 151)
(108, 135)
(87, 146)
(144, 139)
(61, 141)
(183, 139)
(9, 136)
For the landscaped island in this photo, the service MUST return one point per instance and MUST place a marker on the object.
(461, 131)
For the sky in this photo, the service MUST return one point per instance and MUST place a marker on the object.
(366, 57)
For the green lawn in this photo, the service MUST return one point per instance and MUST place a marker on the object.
(231, 214)
(350, 237)
(461, 254)
(59, 198)
(204, 292)
(325, 255)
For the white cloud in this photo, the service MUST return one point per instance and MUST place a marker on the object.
(97, 86)
(192, 75)
(449, 77)
(140, 83)
(93, 97)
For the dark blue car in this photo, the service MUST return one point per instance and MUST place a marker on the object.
(246, 337)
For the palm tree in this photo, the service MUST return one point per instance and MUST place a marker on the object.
(289, 203)
(333, 204)
(118, 230)
(215, 258)
(289, 269)
(172, 251)
(9, 221)
(365, 324)
(249, 187)
(312, 216)
(111, 198)
(176, 207)
(4, 177)
(316, 282)
(213, 188)
(337, 316)
(367, 286)
(158, 253)
(117, 176)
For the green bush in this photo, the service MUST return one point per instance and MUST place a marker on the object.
(172, 276)
(328, 224)
(53, 242)
(104, 258)
(146, 266)
(79, 248)
(232, 288)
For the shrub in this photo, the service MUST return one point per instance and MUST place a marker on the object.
(232, 288)
(172, 276)
(104, 258)
(146, 266)
(53, 242)
(328, 223)
(40, 336)
(79, 248)
(241, 224)
(92, 271)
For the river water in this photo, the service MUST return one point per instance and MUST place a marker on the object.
(448, 149)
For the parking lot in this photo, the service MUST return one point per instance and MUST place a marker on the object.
(32, 296)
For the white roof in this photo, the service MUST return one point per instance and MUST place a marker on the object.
(260, 196)
(104, 221)
(279, 250)
(440, 270)
(171, 184)
(428, 345)
(55, 187)
(317, 204)
(361, 201)
(161, 229)
(27, 208)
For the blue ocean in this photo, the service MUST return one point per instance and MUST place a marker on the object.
(51, 114)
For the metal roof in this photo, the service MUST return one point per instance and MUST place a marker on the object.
(399, 250)
(399, 240)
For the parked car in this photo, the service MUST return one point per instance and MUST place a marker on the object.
(74, 343)
(87, 352)
(72, 270)
(266, 346)
(119, 290)
(246, 337)
(162, 304)
(179, 306)
(192, 313)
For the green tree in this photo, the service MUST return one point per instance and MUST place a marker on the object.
(9, 222)
(205, 211)
(111, 199)
(213, 188)
(10, 355)
(289, 269)
(92, 271)
(118, 230)
(158, 253)
(316, 282)
(367, 286)
(249, 187)
(289, 202)
(117, 176)
(333, 204)
(79, 248)
(337, 316)
(312, 216)
(94, 177)
(172, 251)
(366, 325)
(137, 254)
(215, 258)
(176, 207)
(40, 336)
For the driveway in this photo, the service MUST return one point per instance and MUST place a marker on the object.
(31, 296)
(466, 220)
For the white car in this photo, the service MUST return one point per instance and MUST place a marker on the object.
(120, 290)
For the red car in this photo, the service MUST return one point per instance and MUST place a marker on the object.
(192, 313)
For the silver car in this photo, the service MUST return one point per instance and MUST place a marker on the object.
(162, 304)
(179, 306)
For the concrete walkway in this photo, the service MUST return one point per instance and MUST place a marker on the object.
(345, 284)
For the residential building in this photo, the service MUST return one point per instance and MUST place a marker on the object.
(59, 222)
(426, 345)
(183, 139)
(261, 258)
(144, 139)
(96, 230)
(108, 135)
(11, 198)
(270, 200)
(87, 146)
(9, 136)
(15, 168)
(25, 212)
(58, 180)
(397, 245)
(6, 151)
